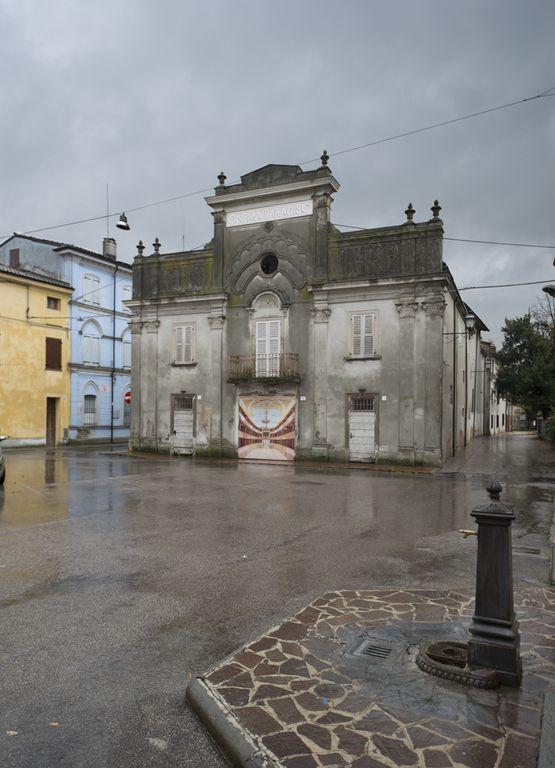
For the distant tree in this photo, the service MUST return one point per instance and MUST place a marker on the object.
(526, 365)
(544, 317)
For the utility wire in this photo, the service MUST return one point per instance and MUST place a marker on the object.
(495, 242)
(466, 240)
(544, 94)
(502, 285)
(434, 125)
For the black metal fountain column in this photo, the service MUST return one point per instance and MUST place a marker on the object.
(495, 641)
(492, 655)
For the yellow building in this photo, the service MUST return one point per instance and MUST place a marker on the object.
(34, 353)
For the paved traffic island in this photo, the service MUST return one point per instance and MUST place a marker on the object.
(337, 685)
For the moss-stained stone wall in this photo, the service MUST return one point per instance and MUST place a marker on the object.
(410, 249)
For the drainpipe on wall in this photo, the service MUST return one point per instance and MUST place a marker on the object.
(113, 357)
(465, 383)
(455, 342)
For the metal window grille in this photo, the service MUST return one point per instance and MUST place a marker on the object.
(362, 403)
(89, 411)
(183, 402)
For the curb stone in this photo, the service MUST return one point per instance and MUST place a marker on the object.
(243, 750)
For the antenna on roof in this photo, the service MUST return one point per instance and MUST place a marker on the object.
(107, 212)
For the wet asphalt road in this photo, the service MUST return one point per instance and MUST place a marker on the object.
(120, 577)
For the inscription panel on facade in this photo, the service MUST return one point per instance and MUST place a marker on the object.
(270, 213)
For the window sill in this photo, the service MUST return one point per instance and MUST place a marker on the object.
(351, 358)
(53, 369)
(184, 365)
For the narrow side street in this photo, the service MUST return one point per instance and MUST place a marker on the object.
(121, 577)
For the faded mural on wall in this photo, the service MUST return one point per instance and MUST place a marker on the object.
(267, 427)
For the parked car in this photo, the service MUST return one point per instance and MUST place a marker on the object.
(2, 462)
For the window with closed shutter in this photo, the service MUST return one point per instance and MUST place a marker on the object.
(363, 333)
(126, 295)
(268, 347)
(127, 351)
(91, 289)
(53, 350)
(91, 344)
(184, 343)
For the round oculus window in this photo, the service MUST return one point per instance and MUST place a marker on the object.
(269, 263)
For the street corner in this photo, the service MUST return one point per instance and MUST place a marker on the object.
(337, 684)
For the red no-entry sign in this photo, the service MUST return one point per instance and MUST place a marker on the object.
(127, 397)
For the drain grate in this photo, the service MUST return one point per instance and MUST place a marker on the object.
(377, 651)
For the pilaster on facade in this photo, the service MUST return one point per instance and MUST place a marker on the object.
(321, 313)
(135, 327)
(151, 326)
(434, 307)
(216, 322)
(407, 310)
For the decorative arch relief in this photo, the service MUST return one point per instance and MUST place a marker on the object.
(90, 388)
(289, 250)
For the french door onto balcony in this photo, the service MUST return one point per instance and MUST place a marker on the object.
(268, 347)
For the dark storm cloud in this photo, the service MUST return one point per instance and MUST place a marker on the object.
(156, 99)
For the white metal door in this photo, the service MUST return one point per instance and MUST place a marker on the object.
(183, 424)
(362, 428)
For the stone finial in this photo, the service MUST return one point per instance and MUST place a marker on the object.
(324, 158)
(140, 247)
(221, 178)
(435, 209)
(410, 214)
(156, 245)
(494, 490)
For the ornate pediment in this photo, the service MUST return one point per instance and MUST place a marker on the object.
(271, 175)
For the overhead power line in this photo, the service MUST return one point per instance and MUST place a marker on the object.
(495, 242)
(503, 285)
(431, 127)
(467, 240)
(127, 209)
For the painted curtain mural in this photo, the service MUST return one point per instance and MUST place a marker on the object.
(267, 427)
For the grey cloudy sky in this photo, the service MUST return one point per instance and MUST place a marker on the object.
(157, 98)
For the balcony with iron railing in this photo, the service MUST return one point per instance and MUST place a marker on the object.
(282, 366)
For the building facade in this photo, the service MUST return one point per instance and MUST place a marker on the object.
(100, 339)
(497, 412)
(285, 338)
(34, 353)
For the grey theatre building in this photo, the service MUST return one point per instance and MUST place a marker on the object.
(284, 338)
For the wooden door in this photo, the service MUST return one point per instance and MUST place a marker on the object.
(51, 421)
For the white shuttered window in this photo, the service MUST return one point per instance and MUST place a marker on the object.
(91, 344)
(184, 343)
(363, 334)
(91, 289)
(268, 347)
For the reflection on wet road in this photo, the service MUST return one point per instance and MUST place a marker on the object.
(120, 576)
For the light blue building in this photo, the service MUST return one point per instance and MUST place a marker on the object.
(100, 360)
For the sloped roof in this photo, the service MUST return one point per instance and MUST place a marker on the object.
(36, 276)
(58, 246)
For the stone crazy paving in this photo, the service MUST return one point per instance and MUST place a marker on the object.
(305, 693)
